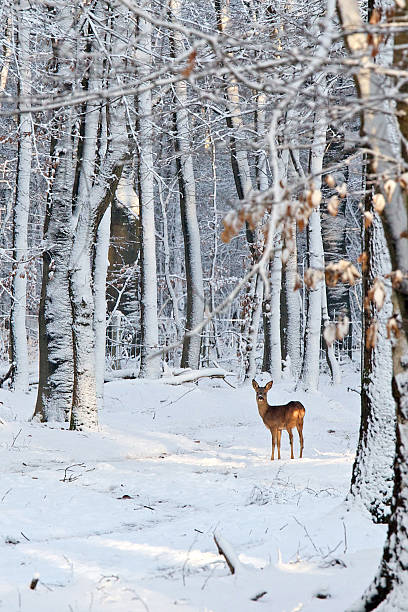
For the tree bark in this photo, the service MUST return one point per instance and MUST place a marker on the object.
(54, 398)
(372, 478)
(18, 332)
(389, 589)
(149, 366)
(186, 180)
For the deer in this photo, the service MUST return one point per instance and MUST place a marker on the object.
(276, 418)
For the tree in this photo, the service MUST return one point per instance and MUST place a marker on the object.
(19, 350)
(149, 365)
(389, 589)
(187, 195)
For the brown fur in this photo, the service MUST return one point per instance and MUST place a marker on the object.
(277, 418)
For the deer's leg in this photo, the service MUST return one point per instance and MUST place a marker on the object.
(273, 434)
(291, 442)
(299, 427)
(279, 435)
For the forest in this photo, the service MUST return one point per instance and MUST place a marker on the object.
(204, 244)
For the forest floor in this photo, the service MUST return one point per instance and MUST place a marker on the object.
(122, 520)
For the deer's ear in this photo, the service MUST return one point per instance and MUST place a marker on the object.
(269, 385)
(255, 385)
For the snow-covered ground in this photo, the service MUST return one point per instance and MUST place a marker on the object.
(123, 520)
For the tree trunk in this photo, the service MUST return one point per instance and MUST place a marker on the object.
(372, 478)
(186, 180)
(272, 358)
(149, 365)
(252, 335)
(54, 398)
(317, 294)
(390, 587)
(291, 312)
(18, 332)
(100, 269)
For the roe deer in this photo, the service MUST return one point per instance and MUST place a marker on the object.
(277, 418)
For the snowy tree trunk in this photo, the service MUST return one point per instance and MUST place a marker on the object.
(186, 179)
(166, 248)
(373, 472)
(149, 366)
(100, 269)
(272, 359)
(330, 356)
(390, 587)
(252, 337)
(54, 398)
(18, 332)
(292, 310)
(310, 368)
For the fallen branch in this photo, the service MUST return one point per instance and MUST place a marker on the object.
(225, 549)
(194, 375)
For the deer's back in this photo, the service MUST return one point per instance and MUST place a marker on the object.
(284, 417)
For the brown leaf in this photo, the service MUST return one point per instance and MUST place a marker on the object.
(190, 64)
(393, 327)
(371, 336)
(378, 203)
(389, 188)
(363, 260)
(368, 218)
(333, 205)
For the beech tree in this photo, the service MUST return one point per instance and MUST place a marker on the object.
(388, 591)
(19, 350)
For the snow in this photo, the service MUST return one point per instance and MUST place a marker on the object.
(123, 519)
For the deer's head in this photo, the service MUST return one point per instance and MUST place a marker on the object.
(262, 392)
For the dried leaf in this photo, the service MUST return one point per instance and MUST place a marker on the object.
(363, 260)
(330, 182)
(342, 328)
(342, 190)
(298, 283)
(371, 336)
(329, 333)
(190, 64)
(316, 197)
(342, 270)
(333, 205)
(396, 278)
(379, 203)
(368, 218)
(393, 327)
(312, 277)
(375, 16)
(403, 180)
(389, 188)
(376, 294)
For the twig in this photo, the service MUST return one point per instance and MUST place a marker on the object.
(345, 537)
(6, 493)
(15, 438)
(180, 396)
(186, 560)
(307, 535)
(225, 549)
(258, 595)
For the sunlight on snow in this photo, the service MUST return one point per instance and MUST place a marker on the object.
(194, 556)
